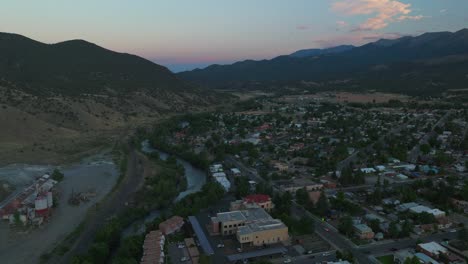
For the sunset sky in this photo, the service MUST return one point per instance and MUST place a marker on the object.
(184, 34)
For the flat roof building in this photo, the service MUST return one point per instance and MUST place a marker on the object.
(253, 226)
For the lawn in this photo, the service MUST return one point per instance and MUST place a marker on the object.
(388, 259)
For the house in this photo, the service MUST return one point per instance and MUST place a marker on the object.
(423, 258)
(235, 172)
(368, 170)
(314, 196)
(400, 256)
(432, 249)
(460, 205)
(363, 231)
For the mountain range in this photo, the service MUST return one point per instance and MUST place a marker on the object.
(428, 62)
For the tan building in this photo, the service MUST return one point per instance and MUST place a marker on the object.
(263, 232)
(253, 226)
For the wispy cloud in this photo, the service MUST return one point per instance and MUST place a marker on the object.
(382, 12)
(342, 24)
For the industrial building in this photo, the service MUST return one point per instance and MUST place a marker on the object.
(31, 206)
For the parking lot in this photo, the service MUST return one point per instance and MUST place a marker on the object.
(178, 253)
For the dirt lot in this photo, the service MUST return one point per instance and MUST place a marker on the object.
(98, 173)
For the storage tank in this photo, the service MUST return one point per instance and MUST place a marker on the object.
(40, 205)
(50, 200)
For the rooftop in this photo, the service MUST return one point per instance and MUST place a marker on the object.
(257, 198)
(433, 247)
(261, 226)
(249, 215)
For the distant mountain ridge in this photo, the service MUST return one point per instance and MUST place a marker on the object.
(77, 66)
(370, 63)
(317, 52)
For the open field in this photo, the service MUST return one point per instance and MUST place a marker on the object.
(342, 97)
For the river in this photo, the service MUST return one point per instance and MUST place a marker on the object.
(196, 178)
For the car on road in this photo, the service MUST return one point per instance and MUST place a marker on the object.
(183, 259)
(393, 249)
(326, 254)
(220, 245)
(180, 245)
(287, 260)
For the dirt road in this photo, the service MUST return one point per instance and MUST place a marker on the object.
(111, 206)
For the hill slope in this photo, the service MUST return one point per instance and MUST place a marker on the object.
(75, 67)
(60, 100)
(358, 64)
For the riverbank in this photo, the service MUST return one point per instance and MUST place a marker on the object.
(195, 177)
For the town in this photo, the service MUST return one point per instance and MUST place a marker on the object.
(319, 180)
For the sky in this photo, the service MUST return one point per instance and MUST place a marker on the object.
(186, 34)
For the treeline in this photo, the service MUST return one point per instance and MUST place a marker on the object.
(107, 239)
(211, 193)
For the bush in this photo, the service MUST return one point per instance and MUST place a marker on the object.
(57, 175)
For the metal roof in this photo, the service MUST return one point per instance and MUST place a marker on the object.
(207, 249)
(257, 253)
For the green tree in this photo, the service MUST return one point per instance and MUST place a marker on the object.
(345, 226)
(393, 230)
(425, 148)
(99, 252)
(413, 260)
(322, 206)
(302, 196)
(57, 175)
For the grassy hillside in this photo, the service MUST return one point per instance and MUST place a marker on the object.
(63, 100)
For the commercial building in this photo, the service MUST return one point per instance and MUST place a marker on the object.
(432, 249)
(253, 227)
(263, 232)
(363, 231)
